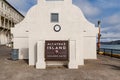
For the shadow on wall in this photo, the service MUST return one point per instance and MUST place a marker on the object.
(24, 53)
(35, 51)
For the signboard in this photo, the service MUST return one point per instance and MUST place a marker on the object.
(56, 50)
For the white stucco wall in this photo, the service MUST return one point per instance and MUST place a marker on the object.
(89, 43)
(37, 27)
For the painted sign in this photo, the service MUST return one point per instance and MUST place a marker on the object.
(56, 50)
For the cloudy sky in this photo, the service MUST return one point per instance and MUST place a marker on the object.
(108, 11)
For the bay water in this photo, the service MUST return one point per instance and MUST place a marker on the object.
(110, 46)
(117, 47)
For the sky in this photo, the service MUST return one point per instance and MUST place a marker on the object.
(107, 11)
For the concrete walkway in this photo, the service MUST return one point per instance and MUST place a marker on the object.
(104, 68)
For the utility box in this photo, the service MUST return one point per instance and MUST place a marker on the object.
(14, 54)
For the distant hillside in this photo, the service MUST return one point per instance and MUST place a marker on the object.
(112, 42)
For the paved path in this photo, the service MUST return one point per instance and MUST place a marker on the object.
(105, 68)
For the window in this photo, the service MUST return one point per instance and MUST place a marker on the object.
(54, 17)
(2, 4)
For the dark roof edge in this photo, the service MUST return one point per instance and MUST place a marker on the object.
(14, 8)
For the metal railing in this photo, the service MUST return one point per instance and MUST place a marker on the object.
(110, 52)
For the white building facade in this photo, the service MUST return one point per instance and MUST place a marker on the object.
(55, 32)
(9, 16)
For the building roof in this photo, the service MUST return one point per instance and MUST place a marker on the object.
(13, 8)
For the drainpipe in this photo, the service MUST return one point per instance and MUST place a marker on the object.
(99, 35)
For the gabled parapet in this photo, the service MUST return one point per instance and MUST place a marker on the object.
(60, 23)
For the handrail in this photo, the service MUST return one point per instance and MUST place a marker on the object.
(110, 52)
(110, 49)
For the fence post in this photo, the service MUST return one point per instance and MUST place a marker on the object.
(103, 51)
(111, 52)
(98, 51)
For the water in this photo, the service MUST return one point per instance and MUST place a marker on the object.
(111, 47)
